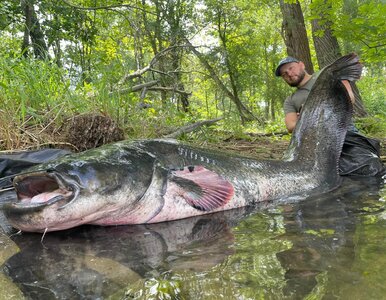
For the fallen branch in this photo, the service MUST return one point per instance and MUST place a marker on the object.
(191, 127)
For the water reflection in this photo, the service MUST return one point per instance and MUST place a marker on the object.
(98, 261)
(323, 231)
(320, 247)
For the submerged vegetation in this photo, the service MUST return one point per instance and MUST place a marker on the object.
(154, 66)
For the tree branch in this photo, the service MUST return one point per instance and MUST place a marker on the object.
(149, 67)
(150, 86)
(105, 7)
(169, 89)
(191, 127)
(143, 85)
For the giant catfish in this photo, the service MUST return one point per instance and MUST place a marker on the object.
(150, 181)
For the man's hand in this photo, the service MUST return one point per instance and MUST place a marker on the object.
(349, 90)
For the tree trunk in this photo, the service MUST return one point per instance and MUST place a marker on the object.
(33, 30)
(295, 34)
(174, 15)
(326, 45)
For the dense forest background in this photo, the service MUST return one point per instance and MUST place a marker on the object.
(144, 68)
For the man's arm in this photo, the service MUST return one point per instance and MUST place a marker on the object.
(290, 120)
(291, 114)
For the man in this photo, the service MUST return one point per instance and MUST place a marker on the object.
(360, 155)
(294, 74)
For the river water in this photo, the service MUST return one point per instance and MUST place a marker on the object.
(331, 246)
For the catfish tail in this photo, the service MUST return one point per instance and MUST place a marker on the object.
(347, 67)
(319, 134)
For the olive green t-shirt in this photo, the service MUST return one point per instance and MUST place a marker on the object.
(295, 102)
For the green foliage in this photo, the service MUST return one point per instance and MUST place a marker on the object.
(248, 48)
(272, 127)
(34, 88)
(367, 27)
(374, 126)
(9, 11)
(373, 92)
(93, 48)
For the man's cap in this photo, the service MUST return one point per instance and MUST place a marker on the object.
(287, 60)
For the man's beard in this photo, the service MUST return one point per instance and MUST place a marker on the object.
(300, 79)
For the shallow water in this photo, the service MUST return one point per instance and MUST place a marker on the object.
(327, 247)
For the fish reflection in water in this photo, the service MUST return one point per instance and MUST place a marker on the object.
(98, 261)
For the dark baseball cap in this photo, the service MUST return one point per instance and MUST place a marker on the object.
(287, 60)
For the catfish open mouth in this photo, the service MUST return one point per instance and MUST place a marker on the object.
(41, 189)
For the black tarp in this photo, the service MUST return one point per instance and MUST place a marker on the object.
(16, 162)
(360, 156)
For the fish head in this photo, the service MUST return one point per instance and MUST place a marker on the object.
(79, 189)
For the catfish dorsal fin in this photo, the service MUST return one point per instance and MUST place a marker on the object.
(201, 188)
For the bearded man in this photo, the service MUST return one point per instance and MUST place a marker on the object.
(360, 155)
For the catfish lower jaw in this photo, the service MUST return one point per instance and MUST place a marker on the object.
(38, 190)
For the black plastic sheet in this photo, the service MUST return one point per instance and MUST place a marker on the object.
(360, 156)
(16, 162)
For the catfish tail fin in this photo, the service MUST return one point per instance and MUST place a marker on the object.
(347, 67)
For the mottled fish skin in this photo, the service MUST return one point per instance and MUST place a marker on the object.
(149, 181)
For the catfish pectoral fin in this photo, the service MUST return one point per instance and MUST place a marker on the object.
(203, 189)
